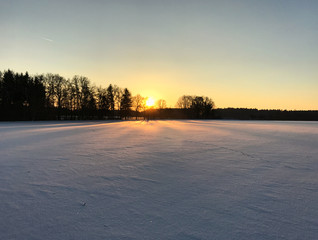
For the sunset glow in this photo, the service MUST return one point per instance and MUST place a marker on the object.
(150, 102)
(242, 54)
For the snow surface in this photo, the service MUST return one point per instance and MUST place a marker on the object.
(159, 180)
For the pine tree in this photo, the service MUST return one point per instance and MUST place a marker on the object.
(126, 103)
(110, 99)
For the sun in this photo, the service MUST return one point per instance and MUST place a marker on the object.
(150, 102)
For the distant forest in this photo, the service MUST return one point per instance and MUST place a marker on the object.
(53, 97)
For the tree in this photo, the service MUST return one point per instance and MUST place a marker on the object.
(69, 96)
(36, 98)
(161, 104)
(76, 92)
(21, 97)
(88, 102)
(118, 93)
(49, 82)
(55, 91)
(138, 103)
(201, 107)
(60, 83)
(1, 92)
(184, 102)
(110, 100)
(126, 103)
(101, 98)
(12, 92)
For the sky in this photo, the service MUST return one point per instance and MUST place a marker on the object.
(240, 53)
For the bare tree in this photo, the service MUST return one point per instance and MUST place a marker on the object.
(49, 83)
(67, 95)
(101, 98)
(55, 85)
(161, 104)
(60, 84)
(184, 102)
(118, 94)
(76, 91)
(138, 104)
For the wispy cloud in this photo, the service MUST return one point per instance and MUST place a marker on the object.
(47, 39)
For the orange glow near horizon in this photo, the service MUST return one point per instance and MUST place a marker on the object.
(150, 102)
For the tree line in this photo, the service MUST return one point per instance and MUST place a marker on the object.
(265, 114)
(53, 97)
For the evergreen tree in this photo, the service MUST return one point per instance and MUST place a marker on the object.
(110, 100)
(126, 103)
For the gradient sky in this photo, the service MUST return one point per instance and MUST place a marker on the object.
(261, 54)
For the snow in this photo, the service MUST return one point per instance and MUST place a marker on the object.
(159, 180)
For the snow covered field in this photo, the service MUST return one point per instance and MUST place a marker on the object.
(159, 180)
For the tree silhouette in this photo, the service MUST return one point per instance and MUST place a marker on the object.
(49, 82)
(196, 106)
(110, 100)
(60, 83)
(21, 97)
(88, 103)
(118, 94)
(51, 97)
(138, 103)
(201, 107)
(102, 106)
(126, 103)
(161, 104)
(1, 92)
(76, 92)
(36, 98)
(184, 102)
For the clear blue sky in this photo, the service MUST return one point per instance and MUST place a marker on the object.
(261, 54)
